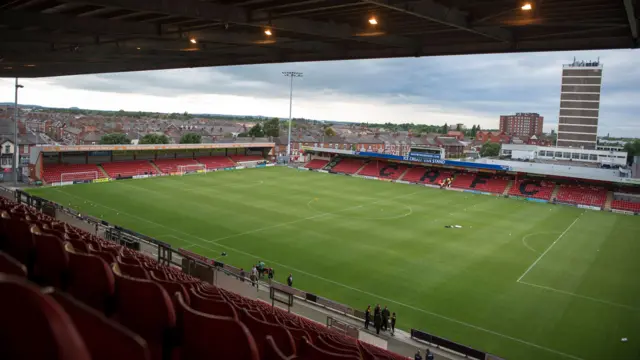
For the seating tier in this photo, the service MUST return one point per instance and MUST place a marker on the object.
(383, 169)
(626, 205)
(431, 176)
(532, 189)
(582, 195)
(473, 182)
(168, 166)
(216, 162)
(241, 158)
(348, 166)
(129, 168)
(316, 164)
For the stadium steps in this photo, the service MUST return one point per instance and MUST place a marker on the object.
(404, 173)
(332, 163)
(156, 167)
(607, 204)
(103, 171)
(554, 193)
(508, 188)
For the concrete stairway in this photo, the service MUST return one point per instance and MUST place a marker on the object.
(361, 167)
(508, 188)
(156, 167)
(607, 203)
(404, 173)
(554, 193)
(103, 170)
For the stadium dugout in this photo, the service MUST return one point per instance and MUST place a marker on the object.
(64, 165)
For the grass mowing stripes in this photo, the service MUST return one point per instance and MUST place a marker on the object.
(364, 242)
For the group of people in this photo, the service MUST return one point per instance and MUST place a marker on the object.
(382, 318)
(427, 355)
(259, 270)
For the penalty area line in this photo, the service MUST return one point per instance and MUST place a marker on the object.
(549, 248)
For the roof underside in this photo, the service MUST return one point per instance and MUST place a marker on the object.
(65, 37)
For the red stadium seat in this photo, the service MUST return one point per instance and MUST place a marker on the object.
(171, 166)
(171, 287)
(133, 271)
(532, 189)
(261, 329)
(33, 326)
(51, 259)
(145, 308)
(216, 162)
(90, 280)
(53, 173)
(232, 339)
(241, 158)
(424, 175)
(626, 205)
(582, 195)
(17, 240)
(11, 266)
(348, 166)
(129, 168)
(383, 169)
(311, 352)
(105, 339)
(212, 306)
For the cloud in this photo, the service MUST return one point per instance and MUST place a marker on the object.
(468, 89)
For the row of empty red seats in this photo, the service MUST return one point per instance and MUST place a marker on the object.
(348, 166)
(216, 162)
(479, 183)
(431, 176)
(626, 205)
(316, 164)
(532, 189)
(111, 302)
(383, 169)
(582, 195)
(70, 172)
(129, 168)
(241, 158)
(169, 166)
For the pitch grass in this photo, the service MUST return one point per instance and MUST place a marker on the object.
(364, 242)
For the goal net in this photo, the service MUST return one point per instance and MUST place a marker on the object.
(193, 168)
(77, 176)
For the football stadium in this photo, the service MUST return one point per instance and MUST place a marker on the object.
(476, 259)
(326, 246)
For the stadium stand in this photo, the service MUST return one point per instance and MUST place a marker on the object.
(383, 169)
(532, 189)
(216, 162)
(128, 168)
(582, 195)
(348, 166)
(53, 172)
(316, 164)
(241, 158)
(169, 166)
(480, 183)
(133, 318)
(423, 175)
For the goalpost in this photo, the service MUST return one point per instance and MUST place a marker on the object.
(192, 168)
(81, 175)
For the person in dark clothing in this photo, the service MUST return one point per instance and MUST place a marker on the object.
(385, 318)
(290, 280)
(242, 275)
(377, 319)
(271, 274)
(393, 323)
(428, 355)
(417, 356)
(367, 317)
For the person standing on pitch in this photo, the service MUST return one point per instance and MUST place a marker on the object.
(290, 280)
(367, 317)
(385, 318)
(377, 318)
(393, 324)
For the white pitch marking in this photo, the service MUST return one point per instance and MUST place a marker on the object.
(582, 296)
(352, 288)
(546, 251)
(524, 239)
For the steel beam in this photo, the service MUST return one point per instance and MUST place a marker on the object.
(631, 17)
(432, 11)
(222, 13)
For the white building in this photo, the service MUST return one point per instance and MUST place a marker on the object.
(533, 153)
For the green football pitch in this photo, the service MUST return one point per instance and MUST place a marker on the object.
(520, 280)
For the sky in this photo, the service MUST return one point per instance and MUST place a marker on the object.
(473, 89)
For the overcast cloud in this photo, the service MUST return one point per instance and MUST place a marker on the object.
(468, 89)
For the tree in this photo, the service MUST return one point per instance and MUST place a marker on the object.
(114, 139)
(445, 129)
(329, 132)
(255, 131)
(490, 149)
(191, 138)
(151, 139)
(633, 149)
(459, 127)
(272, 127)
